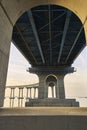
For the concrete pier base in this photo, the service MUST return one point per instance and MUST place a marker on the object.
(52, 102)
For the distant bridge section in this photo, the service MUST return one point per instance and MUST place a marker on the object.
(16, 96)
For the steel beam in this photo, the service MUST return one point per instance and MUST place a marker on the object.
(64, 33)
(50, 38)
(46, 10)
(52, 20)
(76, 40)
(30, 16)
(20, 33)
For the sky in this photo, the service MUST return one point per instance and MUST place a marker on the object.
(75, 83)
(17, 69)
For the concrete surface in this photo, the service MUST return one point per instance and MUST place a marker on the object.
(43, 118)
(52, 102)
(5, 40)
(38, 111)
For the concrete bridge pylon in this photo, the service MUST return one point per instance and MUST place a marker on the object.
(53, 78)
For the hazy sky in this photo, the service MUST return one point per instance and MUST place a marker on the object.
(75, 84)
(17, 74)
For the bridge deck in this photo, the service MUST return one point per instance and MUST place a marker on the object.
(42, 118)
(38, 111)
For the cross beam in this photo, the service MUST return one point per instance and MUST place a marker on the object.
(75, 41)
(30, 16)
(26, 44)
(64, 33)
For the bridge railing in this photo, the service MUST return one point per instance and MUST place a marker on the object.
(16, 96)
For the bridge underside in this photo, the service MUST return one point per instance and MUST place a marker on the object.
(49, 35)
(64, 119)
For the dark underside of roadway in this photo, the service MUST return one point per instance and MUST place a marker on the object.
(49, 35)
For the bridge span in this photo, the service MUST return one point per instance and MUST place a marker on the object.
(50, 37)
(50, 34)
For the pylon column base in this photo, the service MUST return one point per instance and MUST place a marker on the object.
(54, 102)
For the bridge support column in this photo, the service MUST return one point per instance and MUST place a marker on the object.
(5, 41)
(60, 90)
(42, 90)
(58, 83)
(51, 77)
(3, 74)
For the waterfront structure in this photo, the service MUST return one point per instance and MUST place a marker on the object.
(50, 37)
(9, 15)
(10, 12)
